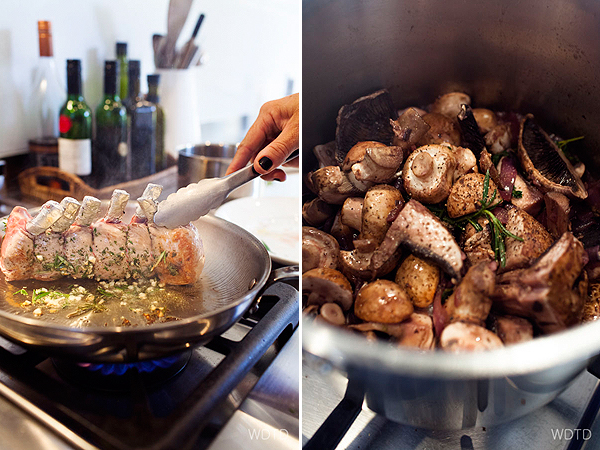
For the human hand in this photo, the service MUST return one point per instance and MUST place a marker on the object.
(271, 139)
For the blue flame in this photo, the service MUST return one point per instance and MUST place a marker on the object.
(141, 366)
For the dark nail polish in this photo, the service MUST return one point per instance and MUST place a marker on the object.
(277, 179)
(265, 163)
(254, 170)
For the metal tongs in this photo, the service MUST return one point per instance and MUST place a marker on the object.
(197, 199)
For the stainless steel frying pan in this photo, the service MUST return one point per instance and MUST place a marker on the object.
(237, 266)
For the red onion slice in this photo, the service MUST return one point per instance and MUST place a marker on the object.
(508, 173)
(439, 315)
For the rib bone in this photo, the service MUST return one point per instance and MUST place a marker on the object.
(71, 206)
(50, 212)
(152, 192)
(148, 208)
(89, 211)
(116, 209)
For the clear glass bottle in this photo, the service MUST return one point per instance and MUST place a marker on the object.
(47, 95)
(141, 127)
(153, 97)
(75, 126)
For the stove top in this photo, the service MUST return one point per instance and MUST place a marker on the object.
(240, 374)
(553, 427)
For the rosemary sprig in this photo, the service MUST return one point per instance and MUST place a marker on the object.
(160, 258)
(497, 230)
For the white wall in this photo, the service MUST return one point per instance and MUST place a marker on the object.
(252, 48)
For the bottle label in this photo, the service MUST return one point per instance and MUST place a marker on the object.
(75, 155)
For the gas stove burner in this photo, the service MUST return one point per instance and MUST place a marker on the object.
(118, 377)
(141, 366)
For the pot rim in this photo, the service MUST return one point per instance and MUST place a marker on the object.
(344, 349)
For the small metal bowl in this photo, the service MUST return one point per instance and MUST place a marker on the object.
(203, 161)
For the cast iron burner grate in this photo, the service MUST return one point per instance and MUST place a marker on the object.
(186, 411)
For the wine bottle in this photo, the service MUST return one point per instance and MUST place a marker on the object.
(141, 125)
(123, 71)
(152, 97)
(47, 96)
(75, 126)
(109, 153)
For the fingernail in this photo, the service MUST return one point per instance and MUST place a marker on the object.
(277, 179)
(265, 162)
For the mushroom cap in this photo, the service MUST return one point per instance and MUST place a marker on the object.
(372, 162)
(327, 286)
(545, 164)
(382, 301)
(449, 104)
(420, 279)
(485, 118)
(377, 205)
(331, 185)
(443, 130)
(316, 212)
(459, 337)
(319, 249)
(365, 119)
(351, 212)
(466, 194)
(436, 181)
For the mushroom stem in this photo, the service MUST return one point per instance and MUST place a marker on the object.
(422, 165)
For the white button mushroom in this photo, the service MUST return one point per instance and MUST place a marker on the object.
(429, 172)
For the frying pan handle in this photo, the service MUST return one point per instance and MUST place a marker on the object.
(277, 275)
(284, 273)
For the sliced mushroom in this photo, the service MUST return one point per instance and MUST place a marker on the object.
(409, 128)
(326, 154)
(450, 104)
(466, 194)
(486, 164)
(351, 213)
(429, 172)
(460, 337)
(327, 286)
(378, 203)
(421, 231)
(416, 331)
(357, 263)
(512, 329)
(547, 291)
(332, 313)
(374, 162)
(332, 185)
(420, 279)
(466, 162)
(318, 249)
(536, 240)
(591, 307)
(498, 139)
(471, 135)
(523, 195)
(545, 164)
(443, 130)
(470, 301)
(478, 247)
(342, 233)
(365, 119)
(316, 212)
(382, 301)
(557, 213)
(486, 119)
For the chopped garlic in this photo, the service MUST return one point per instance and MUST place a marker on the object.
(37, 312)
(39, 257)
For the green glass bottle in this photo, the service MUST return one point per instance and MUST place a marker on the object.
(109, 157)
(152, 97)
(141, 126)
(123, 70)
(75, 126)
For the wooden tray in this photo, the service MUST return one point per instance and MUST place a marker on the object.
(51, 183)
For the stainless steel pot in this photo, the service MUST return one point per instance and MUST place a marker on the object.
(196, 162)
(528, 56)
